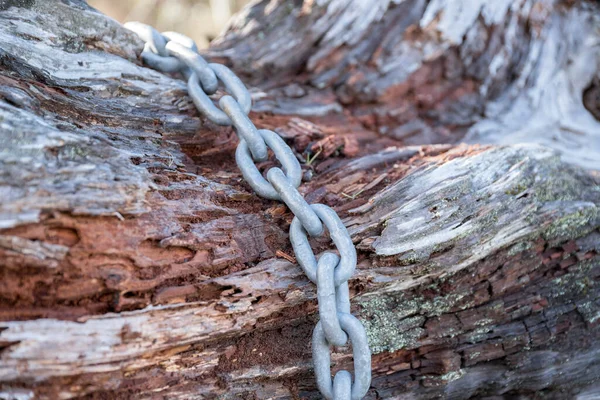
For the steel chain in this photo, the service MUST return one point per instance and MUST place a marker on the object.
(173, 52)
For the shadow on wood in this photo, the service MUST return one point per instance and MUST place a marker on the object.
(136, 263)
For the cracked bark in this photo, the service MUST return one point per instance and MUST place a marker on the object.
(136, 263)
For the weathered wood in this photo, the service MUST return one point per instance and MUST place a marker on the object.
(435, 71)
(135, 262)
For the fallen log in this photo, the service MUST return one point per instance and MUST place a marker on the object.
(136, 263)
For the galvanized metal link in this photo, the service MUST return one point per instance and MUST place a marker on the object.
(160, 63)
(326, 294)
(360, 352)
(173, 52)
(244, 127)
(205, 75)
(340, 236)
(332, 299)
(284, 155)
(154, 40)
(155, 53)
(233, 85)
(342, 386)
(342, 298)
(295, 202)
(181, 39)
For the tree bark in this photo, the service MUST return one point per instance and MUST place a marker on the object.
(136, 263)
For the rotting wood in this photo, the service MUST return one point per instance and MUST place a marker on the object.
(136, 264)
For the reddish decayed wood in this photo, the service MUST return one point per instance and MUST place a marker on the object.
(136, 263)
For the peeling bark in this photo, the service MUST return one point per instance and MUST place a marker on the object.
(500, 72)
(136, 263)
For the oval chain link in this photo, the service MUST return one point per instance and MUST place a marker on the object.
(327, 299)
(360, 351)
(339, 235)
(173, 52)
(284, 155)
(295, 202)
(163, 57)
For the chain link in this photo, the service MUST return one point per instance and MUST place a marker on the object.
(190, 57)
(342, 386)
(295, 202)
(173, 52)
(339, 235)
(360, 351)
(232, 84)
(284, 155)
(327, 297)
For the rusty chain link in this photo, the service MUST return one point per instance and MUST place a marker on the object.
(174, 52)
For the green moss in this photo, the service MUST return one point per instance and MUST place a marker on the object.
(74, 152)
(411, 257)
(590, 311)
(559, 186)
(578, 285)
(441, 304)
(479, 334)
(572, 225)
(516, 189)
(559, 206)
(393, 323)
(452, 375)
(519, 248)
(575, 284)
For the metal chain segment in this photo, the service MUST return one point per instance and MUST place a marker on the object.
(173, 52)
(180, 38)
(295, 202)
(326, 295)
(195, 63)
(284, 155)
(342, 385)
(360, 351)
(156, 54)
(163, 64)
(244, 127)
(232, 84)
(154, 40)
(339, 235)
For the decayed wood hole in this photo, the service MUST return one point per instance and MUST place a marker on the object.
(136, 263)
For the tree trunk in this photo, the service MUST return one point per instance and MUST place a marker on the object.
(136, 263)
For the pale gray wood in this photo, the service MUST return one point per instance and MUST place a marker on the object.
(135, 264)
(499, 72)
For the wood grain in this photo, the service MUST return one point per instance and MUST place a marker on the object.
(136, 263)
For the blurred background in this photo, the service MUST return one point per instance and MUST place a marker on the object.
(201, 20)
